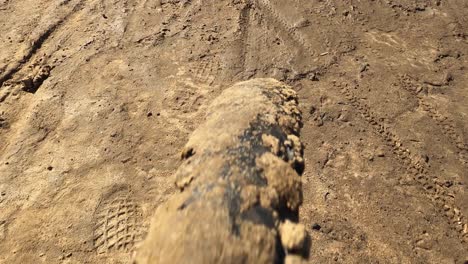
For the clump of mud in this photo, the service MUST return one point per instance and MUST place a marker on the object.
(239, 180)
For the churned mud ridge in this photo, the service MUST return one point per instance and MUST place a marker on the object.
(239, 182)
(435, 189)
(36, 76)
(35, 42)
(27, 72)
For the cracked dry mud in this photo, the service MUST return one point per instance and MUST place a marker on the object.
(98, 97)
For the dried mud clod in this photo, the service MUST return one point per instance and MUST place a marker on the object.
(239, 180)
(34, 81)
(293, 236)
(3, 122)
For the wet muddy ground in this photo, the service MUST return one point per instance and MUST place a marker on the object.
(98, 97)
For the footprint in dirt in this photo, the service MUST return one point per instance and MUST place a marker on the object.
(118, 224)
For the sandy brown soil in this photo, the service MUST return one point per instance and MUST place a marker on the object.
(98, 97)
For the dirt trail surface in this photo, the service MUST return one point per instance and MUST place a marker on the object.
(98, 97)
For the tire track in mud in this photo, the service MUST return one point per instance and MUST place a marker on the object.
(116, 15)
(171, 17)
(448, 129)
(28, 73)
(36, 42)
(244, 24)
(445, 123)
(207, 68)
(435, 189)
(31, 71)
(192, 8)
(292, 31)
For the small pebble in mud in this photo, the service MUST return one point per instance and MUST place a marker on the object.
(50, 168)
(316, 226)
(380, 153)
